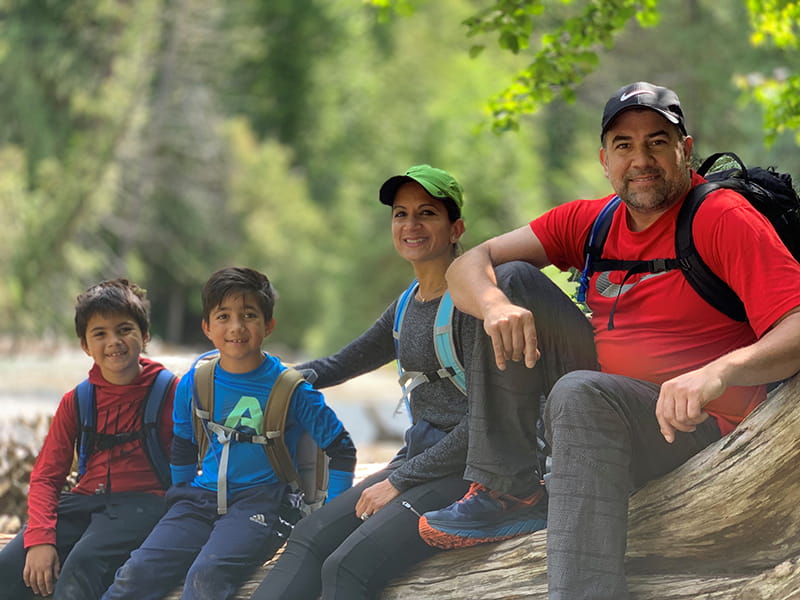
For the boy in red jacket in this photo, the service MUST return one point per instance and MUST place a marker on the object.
(74, 541)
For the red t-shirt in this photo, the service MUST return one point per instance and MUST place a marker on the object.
(119, 409)
(662, 327)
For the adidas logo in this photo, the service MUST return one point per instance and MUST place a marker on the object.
(260, 519)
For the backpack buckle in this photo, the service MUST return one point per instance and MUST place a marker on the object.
(658, 265)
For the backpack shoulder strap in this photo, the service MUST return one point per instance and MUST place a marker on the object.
(275, 425)
(445, 345)
(400, 312)
(86, 419)
(705, 282)
(151, 418)
(593, 247)
(449, 365)
(399, 315)
(203, 404)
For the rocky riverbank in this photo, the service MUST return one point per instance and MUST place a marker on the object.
(20, 441)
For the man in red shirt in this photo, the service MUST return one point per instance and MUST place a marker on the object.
(74, 541)
(675, 373)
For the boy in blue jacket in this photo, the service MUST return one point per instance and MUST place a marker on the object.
(215, 551)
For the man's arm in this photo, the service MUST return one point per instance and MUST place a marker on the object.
(472, 284)
(774, 357)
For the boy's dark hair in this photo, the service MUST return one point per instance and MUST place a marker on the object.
(238, 280)
(117, 296)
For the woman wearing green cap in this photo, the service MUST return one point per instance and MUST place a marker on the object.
(352, 546)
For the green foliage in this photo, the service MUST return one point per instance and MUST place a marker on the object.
(569, 49)
(161, 140)
(388, 8)
(564, 55)
(70, 85)
(282, 232)
(776, 22)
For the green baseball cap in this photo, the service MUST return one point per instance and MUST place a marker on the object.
(438, 183)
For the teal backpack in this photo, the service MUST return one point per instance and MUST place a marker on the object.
(450, 367)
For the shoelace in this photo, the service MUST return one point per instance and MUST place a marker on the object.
(505, 500)
(474, 490)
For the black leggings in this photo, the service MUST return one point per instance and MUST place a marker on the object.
(333, 553)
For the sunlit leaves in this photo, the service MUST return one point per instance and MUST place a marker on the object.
(386, 8)
(564, 53)
(775, 21)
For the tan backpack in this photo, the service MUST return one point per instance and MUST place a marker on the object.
(307, 477)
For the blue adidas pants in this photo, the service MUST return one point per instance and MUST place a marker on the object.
(94, 536)
(215, 553)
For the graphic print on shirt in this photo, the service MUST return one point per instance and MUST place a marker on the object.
(608, 289)
(246, 413)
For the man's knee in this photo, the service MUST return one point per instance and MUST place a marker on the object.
(519, 280)
(582, 400)
(573, 393)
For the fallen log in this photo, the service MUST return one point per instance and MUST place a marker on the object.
(724, 526)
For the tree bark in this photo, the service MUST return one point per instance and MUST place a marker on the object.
(724, 526)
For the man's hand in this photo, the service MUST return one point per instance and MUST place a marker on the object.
(681, 401)
(513, 332)
(375, 497)
(41, 569)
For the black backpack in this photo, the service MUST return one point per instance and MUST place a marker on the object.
(767, 190)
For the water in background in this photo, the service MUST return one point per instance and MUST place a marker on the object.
(32, 385)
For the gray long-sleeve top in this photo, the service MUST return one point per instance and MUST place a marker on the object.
(439, 403)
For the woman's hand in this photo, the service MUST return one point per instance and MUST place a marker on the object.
(374, 498)
(41, 569)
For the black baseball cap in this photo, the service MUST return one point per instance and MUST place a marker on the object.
(644, 95)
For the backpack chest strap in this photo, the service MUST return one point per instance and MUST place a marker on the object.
(106, 441)
(226, 435)
(412, 379)
(444, 346)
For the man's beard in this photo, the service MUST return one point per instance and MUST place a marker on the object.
(656, 198)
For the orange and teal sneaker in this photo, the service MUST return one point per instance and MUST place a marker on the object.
(482, 516)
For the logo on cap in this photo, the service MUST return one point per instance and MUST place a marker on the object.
(629, 95)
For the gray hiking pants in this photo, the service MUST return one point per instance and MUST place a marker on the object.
(602, 430)
(605, 442)
(504, 405)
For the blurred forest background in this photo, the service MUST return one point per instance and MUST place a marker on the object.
(162, 139)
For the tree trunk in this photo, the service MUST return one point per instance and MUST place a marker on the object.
(724, 526)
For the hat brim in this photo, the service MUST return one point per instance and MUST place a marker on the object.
(667, 115)
(389, 188)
